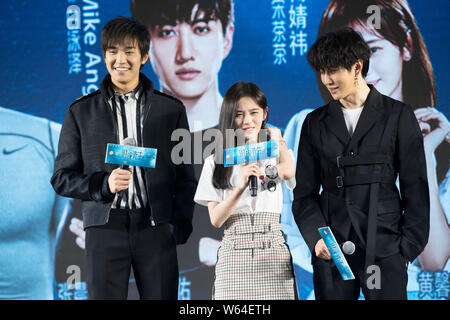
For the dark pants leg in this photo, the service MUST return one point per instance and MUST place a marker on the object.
(128, 240)
(154, 260)
(108, 259)
(328, 283)
(393, 279)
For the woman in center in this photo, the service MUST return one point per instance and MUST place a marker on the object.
(254, 261)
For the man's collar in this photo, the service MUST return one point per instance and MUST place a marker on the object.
(107, 89)
(135, 94)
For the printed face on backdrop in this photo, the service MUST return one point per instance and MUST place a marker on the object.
(386, 62)
(123, 62)
(187, 57)
(249, 117)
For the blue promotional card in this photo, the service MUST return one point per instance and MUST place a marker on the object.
(130, 155)
(250, 153)
(336, 253)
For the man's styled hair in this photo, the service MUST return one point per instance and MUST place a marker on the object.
(154, 13)
(342, 48)
(121, 29)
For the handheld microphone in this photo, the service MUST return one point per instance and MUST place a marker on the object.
(253, 180)
(253, 185)
(348, 247)
(129, 141)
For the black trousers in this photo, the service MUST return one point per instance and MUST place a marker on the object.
(128, 240)
(393, 278)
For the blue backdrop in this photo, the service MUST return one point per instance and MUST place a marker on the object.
(45, 66)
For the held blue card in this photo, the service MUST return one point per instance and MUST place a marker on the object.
(336, 253)
(250, 153)
(130, 155)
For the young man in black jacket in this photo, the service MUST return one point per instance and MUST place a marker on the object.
(355, 147)
(133, 218)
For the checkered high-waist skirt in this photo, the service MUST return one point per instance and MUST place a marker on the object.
(254, 261)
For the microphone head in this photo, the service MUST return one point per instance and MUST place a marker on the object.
(129, 141)
(348, 247)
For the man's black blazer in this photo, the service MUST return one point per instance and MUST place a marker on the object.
(402, 217)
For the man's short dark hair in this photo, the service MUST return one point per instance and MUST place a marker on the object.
(122, 29)
(154, 13)
(342, 48)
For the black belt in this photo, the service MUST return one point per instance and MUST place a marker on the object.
(345, 181)
(372, 180)
(356, 160)
(130, 211)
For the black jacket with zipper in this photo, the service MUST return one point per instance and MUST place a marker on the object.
(80, 170)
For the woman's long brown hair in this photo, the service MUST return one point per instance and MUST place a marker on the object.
(399, 27)
(222, 174)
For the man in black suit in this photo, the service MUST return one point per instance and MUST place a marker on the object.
(354, 148)
(133, 218)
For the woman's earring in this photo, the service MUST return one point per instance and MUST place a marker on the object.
(407, 56)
